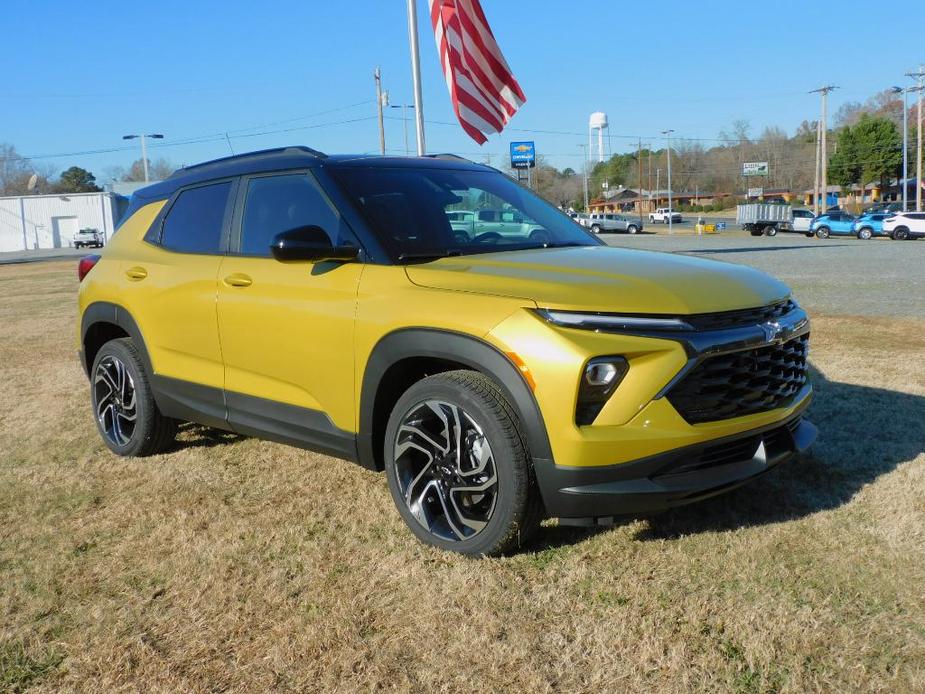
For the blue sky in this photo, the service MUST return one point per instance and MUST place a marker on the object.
(78, 78)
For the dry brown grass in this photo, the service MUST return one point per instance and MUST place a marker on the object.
(243, 565)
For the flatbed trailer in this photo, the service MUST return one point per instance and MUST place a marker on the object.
(762, 218)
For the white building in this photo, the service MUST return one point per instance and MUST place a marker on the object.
(28, 222)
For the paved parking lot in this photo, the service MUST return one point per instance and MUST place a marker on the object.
(839, 275)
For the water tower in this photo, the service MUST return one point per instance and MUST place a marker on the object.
(598, 122)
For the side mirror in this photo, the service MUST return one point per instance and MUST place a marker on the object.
(309, 243)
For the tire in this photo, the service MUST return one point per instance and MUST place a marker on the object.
(123, 404)
(540, 236)
(632, 229)
(822, 233)
(809, 234)
(900, 234)
(865, 233)
(508, 513)
(770, 231)
(596, 228)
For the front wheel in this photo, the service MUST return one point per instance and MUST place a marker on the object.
(126, 415)
(632, 229)
(596, 228)
(822, 232)
(900, 234)
(864, 234)
(770, 231)
(458, 467)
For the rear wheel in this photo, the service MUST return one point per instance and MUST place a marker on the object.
(822, 232)
(770, 231)
(123, 404)
(596, 228)
(864, 234)
(458, 467)
(900, 233)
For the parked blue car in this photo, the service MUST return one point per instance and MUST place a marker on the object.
(833, 224)
(870, 224)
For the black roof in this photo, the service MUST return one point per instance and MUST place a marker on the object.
(297, 157)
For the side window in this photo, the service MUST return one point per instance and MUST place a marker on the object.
(194, 222)
(274, 204)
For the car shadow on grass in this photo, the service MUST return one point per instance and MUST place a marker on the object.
(192, 435)
(864, 433)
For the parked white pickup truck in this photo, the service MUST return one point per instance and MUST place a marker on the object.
(663, 214)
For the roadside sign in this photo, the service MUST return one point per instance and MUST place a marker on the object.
(755, 192)
(523, 155)
(755, 168)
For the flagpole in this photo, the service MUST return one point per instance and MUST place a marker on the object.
(416, 74)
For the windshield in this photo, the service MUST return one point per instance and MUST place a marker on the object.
(421, 214)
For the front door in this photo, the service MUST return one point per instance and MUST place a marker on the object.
(286, 329)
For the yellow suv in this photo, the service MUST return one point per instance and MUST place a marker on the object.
(500, 366)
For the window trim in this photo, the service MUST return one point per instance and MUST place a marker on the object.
(155, 234)
(236, 230)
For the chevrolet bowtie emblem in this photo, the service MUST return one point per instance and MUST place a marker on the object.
(771, 330)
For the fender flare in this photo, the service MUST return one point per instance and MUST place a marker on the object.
(106, 312)
(408, 343)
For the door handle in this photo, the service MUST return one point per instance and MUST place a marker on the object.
(238, 279)
(136, 274)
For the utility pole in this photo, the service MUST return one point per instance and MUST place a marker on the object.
(667, 134)
(639, 189)
(823, 130)
(584, 168)
(380, 102)
(649, 185)
(918, 76)
(404, 122)
(816, 174)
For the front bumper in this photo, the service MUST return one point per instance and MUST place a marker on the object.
(683, 476)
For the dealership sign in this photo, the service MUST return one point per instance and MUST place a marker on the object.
(755, 192)
(523, 155)
(755, 168)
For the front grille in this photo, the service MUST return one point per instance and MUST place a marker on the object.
(741, 383)
(748, 317)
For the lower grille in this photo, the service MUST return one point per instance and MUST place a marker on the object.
(742, 383)
(777, 441)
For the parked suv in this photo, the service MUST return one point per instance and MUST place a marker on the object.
(663, 214)
(833, 223)
(329, 302)
(614, 222)
(870, 224)
(905, 225)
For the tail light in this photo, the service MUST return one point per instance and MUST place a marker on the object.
(85, 265)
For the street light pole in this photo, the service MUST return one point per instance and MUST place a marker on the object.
(918, 137)
(667, 134)
(144, 149)
(404, 122)
(905, 178)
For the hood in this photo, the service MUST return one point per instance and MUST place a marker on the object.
(603, 278)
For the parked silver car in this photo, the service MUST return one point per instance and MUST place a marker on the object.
(614, 222)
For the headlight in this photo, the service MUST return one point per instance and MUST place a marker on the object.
(606, 322)
(599, 380)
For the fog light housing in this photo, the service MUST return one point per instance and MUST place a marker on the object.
(599, 379)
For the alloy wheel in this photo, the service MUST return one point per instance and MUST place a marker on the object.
(446, 470)
(114, 398)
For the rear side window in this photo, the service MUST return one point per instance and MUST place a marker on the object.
(194, 222)
(275, 204)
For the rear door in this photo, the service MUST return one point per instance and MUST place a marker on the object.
(287, 328)
(170, 289)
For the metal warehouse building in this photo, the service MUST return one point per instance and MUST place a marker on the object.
(50, 221)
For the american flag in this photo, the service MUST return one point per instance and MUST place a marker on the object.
(485, 94)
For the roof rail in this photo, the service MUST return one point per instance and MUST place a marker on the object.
(447, 155)
(247, 155)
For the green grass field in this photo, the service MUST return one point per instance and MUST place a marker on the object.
(234, 564)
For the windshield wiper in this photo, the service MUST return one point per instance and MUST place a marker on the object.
(429, 255)
(565, 244)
